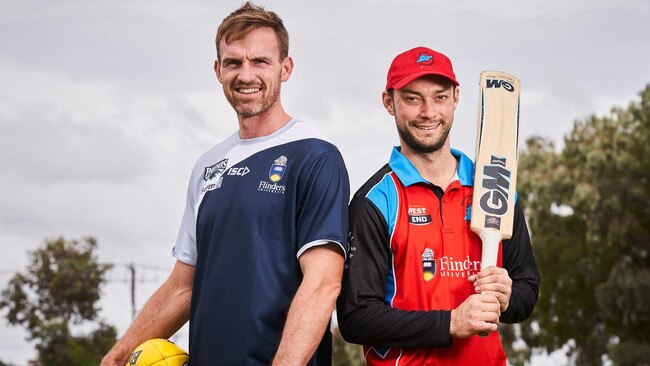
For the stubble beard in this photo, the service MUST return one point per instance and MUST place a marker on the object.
(419, 146)
(247, 110)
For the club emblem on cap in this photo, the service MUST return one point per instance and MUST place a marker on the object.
(277, 169)
(423, 58)
(428, 264)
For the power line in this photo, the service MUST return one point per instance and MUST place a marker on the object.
(132, 280)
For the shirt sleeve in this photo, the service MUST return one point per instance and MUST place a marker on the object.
(185, 248)
(322, 203)
(363, 315)
(519, 261)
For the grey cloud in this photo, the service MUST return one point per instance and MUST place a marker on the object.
(37, 150)
(137, 43)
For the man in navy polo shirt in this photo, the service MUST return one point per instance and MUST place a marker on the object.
(261, 247)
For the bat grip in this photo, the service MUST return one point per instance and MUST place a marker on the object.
(490, 239)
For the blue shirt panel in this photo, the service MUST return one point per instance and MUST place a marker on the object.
(249, 232)
(409, 175)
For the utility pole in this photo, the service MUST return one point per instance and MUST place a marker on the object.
(132, 280)
(132, 269)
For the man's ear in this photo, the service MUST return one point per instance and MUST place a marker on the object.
(388, 103)
(217, 69)
(287, 68)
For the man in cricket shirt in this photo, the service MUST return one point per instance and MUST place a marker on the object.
(414, 292)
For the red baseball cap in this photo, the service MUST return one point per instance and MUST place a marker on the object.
(417, 62)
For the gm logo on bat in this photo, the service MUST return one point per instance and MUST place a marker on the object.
(496, 83)
(496, 180)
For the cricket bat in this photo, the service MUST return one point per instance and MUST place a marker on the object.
(495, 178)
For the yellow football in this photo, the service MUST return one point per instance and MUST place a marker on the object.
(158, 352)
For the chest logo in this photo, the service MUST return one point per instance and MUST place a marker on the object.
(428, 264)
(419, 216)
(278, 168)
(212, 170)
(241, 171)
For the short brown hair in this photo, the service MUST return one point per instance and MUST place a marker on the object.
(248, 18)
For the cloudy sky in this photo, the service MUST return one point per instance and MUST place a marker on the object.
(105, 105)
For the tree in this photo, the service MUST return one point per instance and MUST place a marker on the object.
(518, 355)
(589, 212)
(344, 353)
(60, 289)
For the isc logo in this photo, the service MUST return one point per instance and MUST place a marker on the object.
(496, 83)
(496, 180)
(239, 171)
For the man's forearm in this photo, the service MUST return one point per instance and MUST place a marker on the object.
(159, 318)
(308, 318)
(375, 323)
(166, 311)
(311, 309)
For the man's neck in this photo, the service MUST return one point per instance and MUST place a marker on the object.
(263, 124)
(438, 167)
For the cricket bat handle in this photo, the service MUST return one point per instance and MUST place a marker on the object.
(491, 240)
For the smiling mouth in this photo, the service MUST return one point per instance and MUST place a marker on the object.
(248, 90)
(427, 127)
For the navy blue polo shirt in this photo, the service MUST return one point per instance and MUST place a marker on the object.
(253, 207)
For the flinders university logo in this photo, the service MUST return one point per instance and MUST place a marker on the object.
(428, 264)
(276, 173)
(277, 169)
(447, 266)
